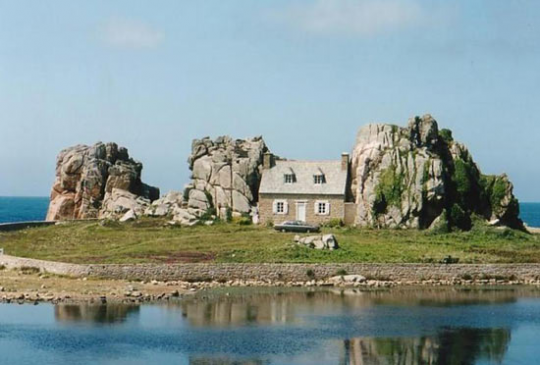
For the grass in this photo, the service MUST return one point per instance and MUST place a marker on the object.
(151, 240)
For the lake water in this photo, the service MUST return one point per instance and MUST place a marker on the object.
(19, 209)
(278, 326)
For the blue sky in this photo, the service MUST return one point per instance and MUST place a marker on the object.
(304, 74)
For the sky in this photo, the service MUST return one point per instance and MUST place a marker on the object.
(306, 75)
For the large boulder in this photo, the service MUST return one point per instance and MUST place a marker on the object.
(419, 177)
(226, 174)
(95, 181)
(321, 242)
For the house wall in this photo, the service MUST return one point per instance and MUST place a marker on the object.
(266, 202)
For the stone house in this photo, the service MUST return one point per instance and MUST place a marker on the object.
(311, 191)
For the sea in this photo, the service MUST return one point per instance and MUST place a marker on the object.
(23, 209)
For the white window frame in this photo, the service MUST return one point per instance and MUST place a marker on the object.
(318, 179)
(322, 203)
(284, 207)
(289, 178)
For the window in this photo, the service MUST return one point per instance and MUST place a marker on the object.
(280, 207)
(322, 208)
(290, 179)
(319, 179)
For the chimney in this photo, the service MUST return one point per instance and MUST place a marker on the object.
(268, 161)
(344, 161)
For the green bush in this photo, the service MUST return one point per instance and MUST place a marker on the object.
(242, 221)
(459, 218)
(334, 223)
(209, 215)
(341, 272)
(310, 274)
(446, 135)
(389, 191)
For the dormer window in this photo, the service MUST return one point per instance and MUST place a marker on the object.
(290, 178)
(319, 179)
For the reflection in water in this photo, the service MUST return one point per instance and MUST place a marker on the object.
(447, 345)
(462, 346)
(402, 326)
(112, 313)
(241, 307)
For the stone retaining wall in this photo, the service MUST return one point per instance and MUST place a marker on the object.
(282, 272)
(5, 227)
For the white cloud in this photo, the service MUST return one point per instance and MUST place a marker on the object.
(353, 17)
(130, 34)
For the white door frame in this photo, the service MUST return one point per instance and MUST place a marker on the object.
(301, 207)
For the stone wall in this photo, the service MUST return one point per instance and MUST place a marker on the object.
(5, 227)
(266, 214)
(282, 272)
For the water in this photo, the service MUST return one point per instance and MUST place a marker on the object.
(279, 326)
(530, 213)
(19, 209)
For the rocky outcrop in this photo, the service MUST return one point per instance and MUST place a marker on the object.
(226, 174)
(98, 181)
(419, 177)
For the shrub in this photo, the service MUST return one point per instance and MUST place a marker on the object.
(310, 274)
(2, 267)
(389, 191)
(209, 215)
(446, 135)
(242, 221)
(334, 223)
(459, 218)
(341, 272)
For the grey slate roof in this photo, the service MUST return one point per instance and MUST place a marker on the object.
(273, 180)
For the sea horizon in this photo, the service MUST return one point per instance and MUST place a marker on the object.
(34, 208)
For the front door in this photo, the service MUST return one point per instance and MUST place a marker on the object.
(301, 211)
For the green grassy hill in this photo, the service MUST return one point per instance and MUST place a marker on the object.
(152, 240)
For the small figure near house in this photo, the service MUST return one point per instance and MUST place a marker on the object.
(313, 192)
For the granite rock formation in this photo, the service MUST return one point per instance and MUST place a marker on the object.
(173, 206)
(166, 205)
(98, 181)
(419, 177)
(226, 174)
